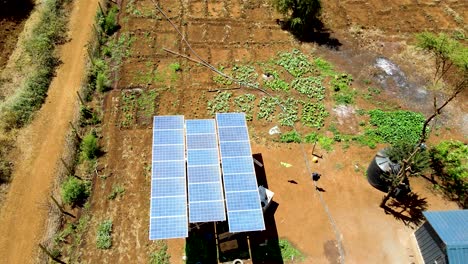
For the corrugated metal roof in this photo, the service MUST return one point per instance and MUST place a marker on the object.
(451, 226)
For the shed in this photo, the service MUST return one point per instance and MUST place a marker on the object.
(443, 238)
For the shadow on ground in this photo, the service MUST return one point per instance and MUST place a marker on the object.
(313, 31)
(15, 10)
(408, 209)
(212, 242)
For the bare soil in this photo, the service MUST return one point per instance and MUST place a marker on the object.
(225, 33)
(39, 146)
(233, 32)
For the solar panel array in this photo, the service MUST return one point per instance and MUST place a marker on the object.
(240, 183)
(206, 199)
(168, 209)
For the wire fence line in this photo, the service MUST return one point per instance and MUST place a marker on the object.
(245, 84)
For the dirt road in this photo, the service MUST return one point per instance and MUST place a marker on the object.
(23, 217)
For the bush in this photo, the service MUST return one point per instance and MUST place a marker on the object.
(108, 22)
(102, 82)
(160, 256)
(290, 137)
(75, 191)
(104, 236)
(402, 150)
(450, 163)
(89, 148)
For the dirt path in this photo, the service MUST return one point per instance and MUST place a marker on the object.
(23, 216)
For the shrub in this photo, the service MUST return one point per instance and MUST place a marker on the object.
(89, 148)
(402, 150)
(450, 163)
(108, 22)
(104, 236)
(102, 82)
(290, 137)
(75, 191)
(160, 256)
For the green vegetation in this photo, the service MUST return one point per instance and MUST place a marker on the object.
(450, 163)
(160, 256)
(89, 148)
(395, 126)
(267, 108)
(39, 49)
(117, 190)
(220, 104)
(324, 67)
(402, 150)
(75, 191)
(310, 86)
(104, 235)
(295, 62)
(290, 137)
(343, 95)
(289, 252)
(245, 74)
(108, 22)
(245, 103)
(300, 13)
(313, 114)
(276, 84)
(289, 114)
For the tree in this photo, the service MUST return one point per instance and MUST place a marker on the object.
(301, 13)
(447, 52)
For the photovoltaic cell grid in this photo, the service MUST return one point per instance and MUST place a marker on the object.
(240, 183)
(206, 199)
(168, 209)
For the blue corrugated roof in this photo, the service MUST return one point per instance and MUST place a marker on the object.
(451, 226)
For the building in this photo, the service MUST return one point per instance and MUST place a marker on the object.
(443, 238)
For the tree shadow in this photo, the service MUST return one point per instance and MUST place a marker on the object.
(313, 31)
(15, 10)
(408, 209)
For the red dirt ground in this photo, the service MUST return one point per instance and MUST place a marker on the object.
(229, 32)
(24, 212)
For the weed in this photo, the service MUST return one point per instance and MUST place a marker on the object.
(289, 252)
(324, 67)
(175, 67)
(117, 190)
(104, 235)
(325, 142)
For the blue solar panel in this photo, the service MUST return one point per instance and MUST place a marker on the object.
(168, 207)
(202, 157)
(168, 227)
(231, 120)
(199, 212)
(233, 134)
(206, 199)
(242, 221)
(202, 141)
(235, 149)
(200, 174)
(168, 169)
(240, 184)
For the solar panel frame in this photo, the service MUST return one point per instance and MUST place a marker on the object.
(205, 189)
(168, 203)
(243, 205)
